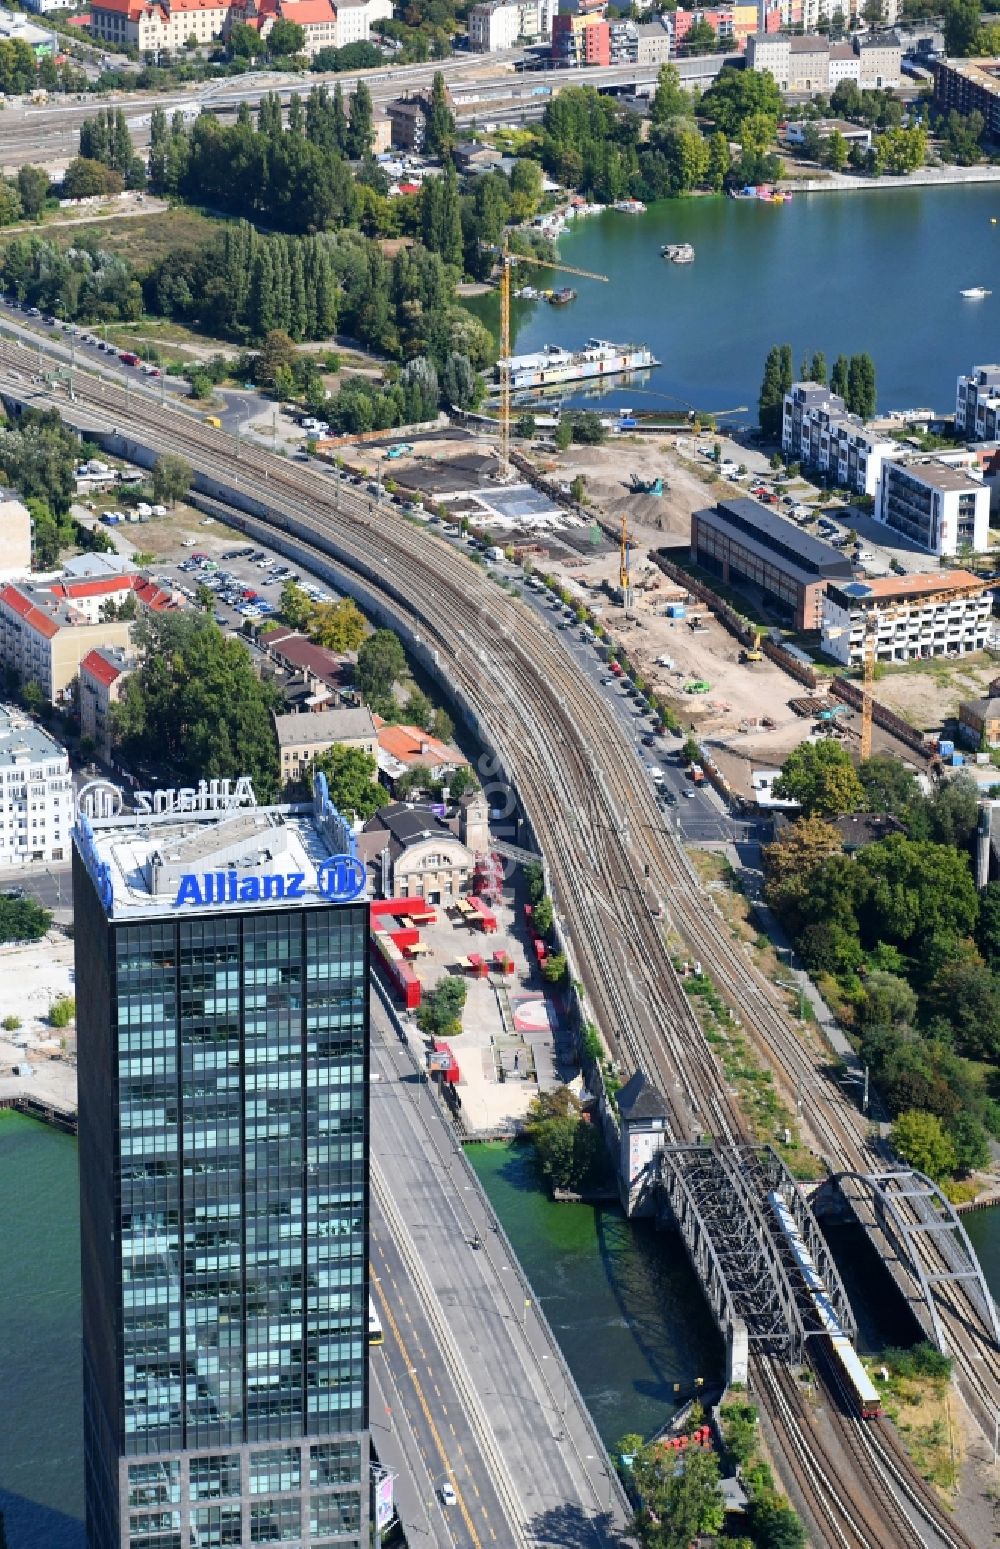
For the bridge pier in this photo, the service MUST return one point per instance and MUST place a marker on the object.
(737, 1353)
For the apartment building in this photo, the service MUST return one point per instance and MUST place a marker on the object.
(911, 617)
(811, 63)
(749, 546)
(939, 507)
(977, 404)
(580, 38)
(301, 738)
(494, 26)
(47, 628)
(103, 675)
(15, 536)
(165, 24)
(36, 793)
(732, 24)
(652, 44)
(817, 429)
(969, 86)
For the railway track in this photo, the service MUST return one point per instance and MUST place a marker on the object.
(583, 789)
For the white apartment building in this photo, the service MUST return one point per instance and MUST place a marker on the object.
(494, 26)
(498, 24)
(811, 63)
(816, 429)
(939, 507)
(36, 793)
(977, 404)
(911, 616)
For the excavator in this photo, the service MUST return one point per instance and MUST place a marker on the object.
(753, 653)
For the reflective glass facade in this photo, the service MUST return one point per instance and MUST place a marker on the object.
(224, 1201)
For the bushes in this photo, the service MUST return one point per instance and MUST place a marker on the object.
(62, 1011)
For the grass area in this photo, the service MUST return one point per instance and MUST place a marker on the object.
(142, 238)
(770, 1119)
(920, 1405)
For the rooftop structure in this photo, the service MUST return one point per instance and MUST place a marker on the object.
(969, 86)
(401, 748)
(817, 429)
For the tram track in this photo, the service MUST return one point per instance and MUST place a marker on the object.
(578, 781)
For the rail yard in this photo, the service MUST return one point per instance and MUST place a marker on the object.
(612, 863)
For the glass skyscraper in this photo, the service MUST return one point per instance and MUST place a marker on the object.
(222, 1011)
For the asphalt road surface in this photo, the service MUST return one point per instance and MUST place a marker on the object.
(467, 1363)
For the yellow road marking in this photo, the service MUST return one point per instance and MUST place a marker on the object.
(390, 1320)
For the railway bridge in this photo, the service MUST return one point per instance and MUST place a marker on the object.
(718, 1197)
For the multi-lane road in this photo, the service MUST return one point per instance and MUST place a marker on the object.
(469, 1386)
(610, 857)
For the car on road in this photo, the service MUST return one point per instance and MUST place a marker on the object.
(689, 795)
(448, 1496)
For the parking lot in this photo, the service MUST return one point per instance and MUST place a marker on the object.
(245, 581)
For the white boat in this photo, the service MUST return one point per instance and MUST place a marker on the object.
(975, 292)
(678, 252)
(598, 358)
(630, 206)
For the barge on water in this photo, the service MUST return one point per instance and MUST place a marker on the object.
(598, 358)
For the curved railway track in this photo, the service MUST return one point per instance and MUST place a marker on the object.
(582, 788)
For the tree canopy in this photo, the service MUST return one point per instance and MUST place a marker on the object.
(351, 778)
(381, 664)
(195, 706)
(920, 1139)
(822, 778)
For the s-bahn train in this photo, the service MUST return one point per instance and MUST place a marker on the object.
(855, 1378)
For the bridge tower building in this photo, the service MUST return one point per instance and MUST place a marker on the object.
(643, 1114)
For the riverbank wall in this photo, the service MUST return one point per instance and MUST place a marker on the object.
(924, 177)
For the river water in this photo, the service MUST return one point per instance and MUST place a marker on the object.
(879, 271)
(620, 1298)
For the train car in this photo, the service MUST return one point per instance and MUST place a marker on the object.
(375, 1335)
(861, 1387)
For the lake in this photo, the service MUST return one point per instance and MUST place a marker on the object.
(879, 271)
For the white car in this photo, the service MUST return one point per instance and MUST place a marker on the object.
(448, 1496)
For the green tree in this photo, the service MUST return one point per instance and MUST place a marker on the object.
(838, 377)
(83, 179)
(339, 626)
(962, 21)
(737, 94)
(988, 924)
(775, 384)
(243, 42)
(381, 663)
(285, 38)
(461, 782)
(196, 707)
(817, 368)
(350, 775)
(22, 919)
(775, 1525)
(670, 100)
(718, 161)
(525, 189)
(967, 995)
(969, 1138)
(554, 968)
(440, 132)
(702, 38)
(889, 784)
(440, 1012)
(681, 1498)
(949, 816)
(296, 606)
(62, 1011)
(921, 1140)
(569, 1152)
(277, 353)
(887, 1001)
(821, 778)
(914, 891)
(860, 398)
(834, 151)
(33, 186)
(541, 915)
(360, 133)
(172, 478)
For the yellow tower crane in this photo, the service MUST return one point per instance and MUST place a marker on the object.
(868, 648)
(625, 567)
(507, 262)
